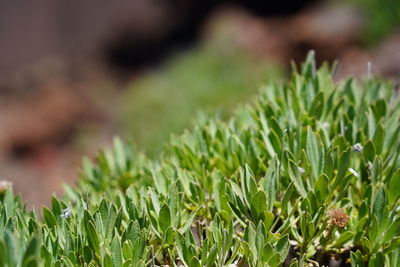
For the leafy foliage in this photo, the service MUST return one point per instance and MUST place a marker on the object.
(281, 183)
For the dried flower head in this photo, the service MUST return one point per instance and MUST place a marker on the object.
(5, 185)
(338, 217)
(357, 148)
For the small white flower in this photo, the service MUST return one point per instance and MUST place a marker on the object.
(354, 172)
(325, 125)
(301, 170)
(4, 186)
(337, 234)
(66, 213)
(357, 147)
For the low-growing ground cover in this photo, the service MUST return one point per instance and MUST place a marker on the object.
(307, 174)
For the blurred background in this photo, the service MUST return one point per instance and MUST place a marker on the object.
(73, 74)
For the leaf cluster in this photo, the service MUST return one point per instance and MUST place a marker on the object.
(261, 189)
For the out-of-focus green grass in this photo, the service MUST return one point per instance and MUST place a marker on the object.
(383, 18)
(210, 77)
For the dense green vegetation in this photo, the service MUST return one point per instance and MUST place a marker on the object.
(307, 173)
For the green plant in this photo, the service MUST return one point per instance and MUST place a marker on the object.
(308, 172)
